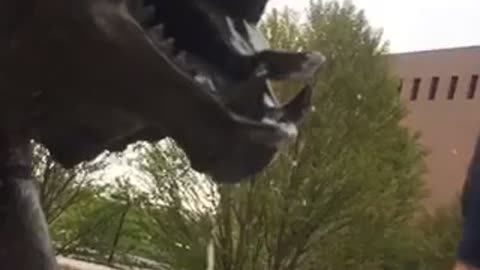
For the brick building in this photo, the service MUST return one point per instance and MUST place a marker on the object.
(441, 91)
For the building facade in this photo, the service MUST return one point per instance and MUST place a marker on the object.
(441, 91)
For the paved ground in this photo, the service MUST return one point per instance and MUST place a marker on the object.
(70, 264)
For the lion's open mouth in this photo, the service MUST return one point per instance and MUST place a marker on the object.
(137, 70)
(229, 57)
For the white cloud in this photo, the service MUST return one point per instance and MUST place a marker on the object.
(417, 24)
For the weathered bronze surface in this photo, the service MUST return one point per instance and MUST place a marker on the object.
(86, 76)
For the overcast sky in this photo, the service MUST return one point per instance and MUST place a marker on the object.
(412, 25)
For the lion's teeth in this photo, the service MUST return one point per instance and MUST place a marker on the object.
(182, 57)
(157, 32)
(168, 45)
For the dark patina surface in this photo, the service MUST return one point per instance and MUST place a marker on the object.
(86, 76)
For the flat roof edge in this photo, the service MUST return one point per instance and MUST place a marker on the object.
(436, 50)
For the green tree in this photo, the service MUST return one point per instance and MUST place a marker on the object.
(67, 195)
(343, 196)
(180, 209)
(89, 217)
(436, 237)
(108, 228)
(62, 188)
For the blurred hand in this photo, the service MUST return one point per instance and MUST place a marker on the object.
(462, 266)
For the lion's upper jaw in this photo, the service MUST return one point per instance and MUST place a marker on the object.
(123, 73)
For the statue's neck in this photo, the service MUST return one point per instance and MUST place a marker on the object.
(15, 157)
(24, 238)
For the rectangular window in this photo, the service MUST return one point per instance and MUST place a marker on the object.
(453, 87)
(473, 87)
(433, 88)
(415, 89)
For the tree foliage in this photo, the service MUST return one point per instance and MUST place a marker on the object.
(436, 238)
(62, 188)
(181, 203)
